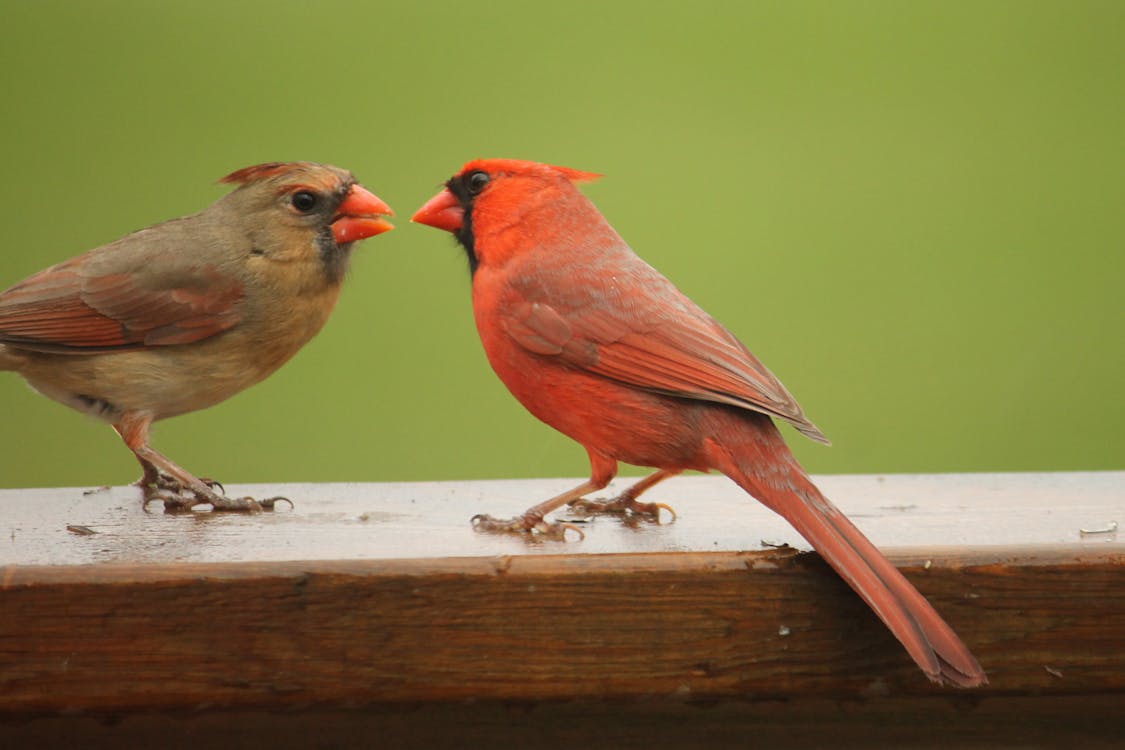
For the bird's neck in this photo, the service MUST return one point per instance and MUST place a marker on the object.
(567, 231)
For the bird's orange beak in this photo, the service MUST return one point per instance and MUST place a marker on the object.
(443, 211)
(360, 215)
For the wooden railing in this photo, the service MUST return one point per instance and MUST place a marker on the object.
(373, 610)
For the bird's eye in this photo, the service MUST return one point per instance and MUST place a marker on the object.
(304, 201)
(476, 182)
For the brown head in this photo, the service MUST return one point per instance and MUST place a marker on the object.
(281, 205)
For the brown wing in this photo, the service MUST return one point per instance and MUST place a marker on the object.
(81, 306)
(651, 336)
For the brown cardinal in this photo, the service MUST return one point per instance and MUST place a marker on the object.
(184, 314)
(597, 344)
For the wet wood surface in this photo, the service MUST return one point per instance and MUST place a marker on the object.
(379, 601)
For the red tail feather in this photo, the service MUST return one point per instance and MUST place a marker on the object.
(780, 484)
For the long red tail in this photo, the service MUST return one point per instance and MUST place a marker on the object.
(764, 467)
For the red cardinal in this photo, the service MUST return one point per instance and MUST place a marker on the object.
(184, 314)
(597, 344)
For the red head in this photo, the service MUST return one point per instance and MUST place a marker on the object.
(489, 196)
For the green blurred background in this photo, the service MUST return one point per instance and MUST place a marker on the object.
(912, 212)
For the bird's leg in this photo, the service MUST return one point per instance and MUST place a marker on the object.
(152, 476)
(166, 481)
(532, 520)
(155, 479)
(626, 503)
(602, 470)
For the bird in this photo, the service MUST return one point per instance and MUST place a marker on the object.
(184, 314)
(599, 345)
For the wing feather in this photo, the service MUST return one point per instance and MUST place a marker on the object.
(81, 307)
(658, 340)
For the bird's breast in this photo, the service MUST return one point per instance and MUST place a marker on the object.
(628, 423)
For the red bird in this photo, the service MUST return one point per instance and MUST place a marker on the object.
(182, 315)
(599, 345)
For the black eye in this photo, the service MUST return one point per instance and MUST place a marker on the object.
(476, 182)
(304, 201)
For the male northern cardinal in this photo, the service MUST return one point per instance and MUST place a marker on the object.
(599, 345)
(186, 313)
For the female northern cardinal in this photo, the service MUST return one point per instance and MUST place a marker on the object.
(597, 344)
(184, 314)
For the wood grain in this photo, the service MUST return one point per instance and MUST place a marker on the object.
(669, 618)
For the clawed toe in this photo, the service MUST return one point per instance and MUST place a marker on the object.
(179, 499)
(624, 506)
(651, 511)
(237, 505)
(531, 526)
(174, 501)
(248, 504)
(160, 480)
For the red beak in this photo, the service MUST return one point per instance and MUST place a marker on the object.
(360, 215)
(443, 211)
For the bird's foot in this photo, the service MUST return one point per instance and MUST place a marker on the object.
(178, 498)
(174, 501)
(158, 480)
(623, 506)
(531, 525)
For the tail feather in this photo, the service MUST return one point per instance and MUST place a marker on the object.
(773, 476)
(911, 618)
(958, 663)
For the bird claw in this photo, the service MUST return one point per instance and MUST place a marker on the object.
(269, 502)
(624, 506)
(174, 502)
(246, 504)
(532, 526)
(180, 499)
(163, 481)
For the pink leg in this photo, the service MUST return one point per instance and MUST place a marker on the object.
(185, 490)
(602, 470)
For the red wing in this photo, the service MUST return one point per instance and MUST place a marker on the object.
(66, 308)
(685, 353)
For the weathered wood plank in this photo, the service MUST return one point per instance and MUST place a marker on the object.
(158, 612)
(431, 519)
(761, 625)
